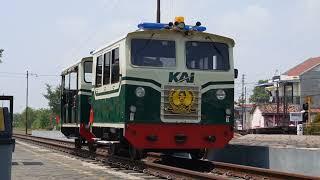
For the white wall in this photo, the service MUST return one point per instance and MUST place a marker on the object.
(257, 119)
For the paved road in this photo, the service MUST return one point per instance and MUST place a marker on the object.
(33, 163)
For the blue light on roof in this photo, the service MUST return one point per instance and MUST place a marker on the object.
(151, 26)
(156, 26)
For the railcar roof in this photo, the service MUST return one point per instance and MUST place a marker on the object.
(109, 44)
(215, 37)
(163, 31)
(72, 67)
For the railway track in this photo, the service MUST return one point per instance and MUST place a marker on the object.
(166, 167)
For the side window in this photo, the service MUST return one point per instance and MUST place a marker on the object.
(99, 72)
(87, 71)
(73, 81)
(106, 69)
(115, 66)
(66, 81)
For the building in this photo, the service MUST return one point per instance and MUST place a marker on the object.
(298, 83)
(302, 81)
(267, 115)
(242, 116)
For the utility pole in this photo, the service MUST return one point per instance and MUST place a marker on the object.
(158, 11)
(242, 99)
(245, 102)
(284, 104)
(277, 99)
(27, 102)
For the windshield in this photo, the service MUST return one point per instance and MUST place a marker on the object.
(153, 53)
(207, 55)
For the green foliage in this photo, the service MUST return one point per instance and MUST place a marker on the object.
(37, 119)
(317, 118)
(1, 50)
(260, 95)
(42, 119)
(313, 128)
(53, 97)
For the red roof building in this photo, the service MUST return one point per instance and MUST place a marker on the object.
(303, 67)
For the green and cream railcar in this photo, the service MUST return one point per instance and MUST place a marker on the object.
(75, 97)
(164, 89)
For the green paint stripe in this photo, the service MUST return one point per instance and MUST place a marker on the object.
(84, 90)
(216, 83)
(142, 80)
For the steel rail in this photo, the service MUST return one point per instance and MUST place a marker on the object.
(249, 171)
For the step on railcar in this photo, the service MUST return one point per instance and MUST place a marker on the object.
(166, 87)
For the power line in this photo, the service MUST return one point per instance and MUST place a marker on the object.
(17, 74)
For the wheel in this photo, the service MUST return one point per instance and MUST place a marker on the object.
(135, 154)
(78, 143)
(198, 154)
(92, 147)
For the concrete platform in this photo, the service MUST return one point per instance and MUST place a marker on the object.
(288, 153)
(32, 163)
(50, 134)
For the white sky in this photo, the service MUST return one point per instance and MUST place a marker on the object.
(44, 37)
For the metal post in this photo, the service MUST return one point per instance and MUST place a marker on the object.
(284, 104)
(309, 110)
(242, 99)
(27, 103)
(158, 11)
(277, 97)
(245, 108)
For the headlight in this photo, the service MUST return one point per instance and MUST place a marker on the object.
(228, 111)
(140, 92)
(221, 94)
(133, 109)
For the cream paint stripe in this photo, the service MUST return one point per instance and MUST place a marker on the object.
(220, 86)
(70, 125)
(84, 93)
(127, 82)
(114, 125)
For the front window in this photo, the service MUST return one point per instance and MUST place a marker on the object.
(207, 55)
(153, 53)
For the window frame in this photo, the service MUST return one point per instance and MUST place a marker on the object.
(84, 71)
(153, 67)
(96, 74)
(207, 70)
(104, 60)
(111, 64)
(76, 77)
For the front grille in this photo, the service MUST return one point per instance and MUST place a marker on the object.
(180, 103)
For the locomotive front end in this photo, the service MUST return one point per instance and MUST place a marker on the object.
(181, 90)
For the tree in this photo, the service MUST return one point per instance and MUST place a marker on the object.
(1, 50)
(53, 96)
(42, 119)
(259, 93)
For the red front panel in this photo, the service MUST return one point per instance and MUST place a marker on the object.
(178, 136)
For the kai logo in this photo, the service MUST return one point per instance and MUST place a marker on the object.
(181, 76)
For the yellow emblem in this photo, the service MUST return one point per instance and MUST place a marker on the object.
(181, 101)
